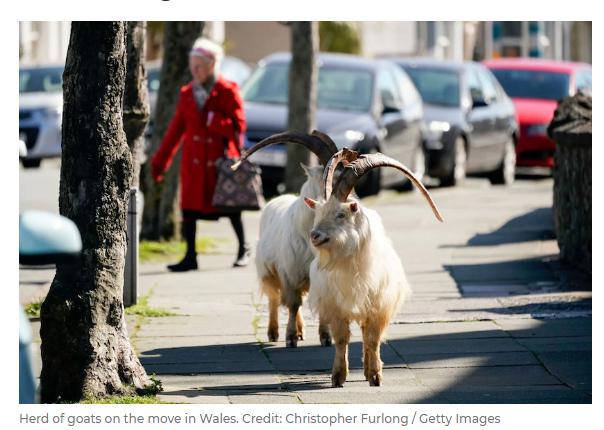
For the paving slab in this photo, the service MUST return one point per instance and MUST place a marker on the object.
(558, 394)
(574, 368)
(546, 327)
(184, 368)
(443, 345)
(263, 398)
(469, 360)
(450, 330)
(443, 379)
(579, 343)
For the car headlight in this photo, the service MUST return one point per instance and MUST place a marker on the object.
(347, 138)
(536, 130)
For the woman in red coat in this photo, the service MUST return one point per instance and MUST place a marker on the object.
(209, 122)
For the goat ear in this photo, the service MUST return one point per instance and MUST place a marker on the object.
(354, 206)
(310, 202)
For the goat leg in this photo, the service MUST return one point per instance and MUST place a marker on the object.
(340, 330)
(324, 335)
(373, 330)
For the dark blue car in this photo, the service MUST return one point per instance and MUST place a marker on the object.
(470, 122)
(366, 105)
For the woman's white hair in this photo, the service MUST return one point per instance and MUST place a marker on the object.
(205, 48)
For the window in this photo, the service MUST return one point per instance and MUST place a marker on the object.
(474, 84)
(388, 89)
(489, 90)
(337, 88)
(48, 80)
(436, 86)
(533, 84)
(584, 80)
(410, 94)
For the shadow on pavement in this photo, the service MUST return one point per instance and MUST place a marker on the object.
(508, 361)
(534, 225)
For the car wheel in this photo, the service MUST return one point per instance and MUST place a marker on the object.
(370, 183)
(418, 167)
(506, 172)
(458, 170)
(29, 163)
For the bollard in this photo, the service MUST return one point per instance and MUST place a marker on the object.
(131, 267)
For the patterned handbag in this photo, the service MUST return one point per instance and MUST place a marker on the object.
(238, 190)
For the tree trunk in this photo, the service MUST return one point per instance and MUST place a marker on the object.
(302, 97)
(136, 95)
(85, 347)
(159, 217)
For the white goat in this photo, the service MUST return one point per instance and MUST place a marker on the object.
(356, 274)
(283, 254)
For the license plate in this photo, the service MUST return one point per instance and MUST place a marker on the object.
(23, 137)
(269, 158)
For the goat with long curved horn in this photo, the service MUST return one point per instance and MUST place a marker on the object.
(318, 143)
(283, 254)
(344, 156)
(354, 170)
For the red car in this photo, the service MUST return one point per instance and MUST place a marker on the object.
(535, 86)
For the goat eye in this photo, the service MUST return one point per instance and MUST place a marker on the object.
(340, 215)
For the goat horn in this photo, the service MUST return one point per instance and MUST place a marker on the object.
(320, 144)
(355, 170)
(344, 156)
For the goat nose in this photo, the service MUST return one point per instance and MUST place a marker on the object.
(314, 235)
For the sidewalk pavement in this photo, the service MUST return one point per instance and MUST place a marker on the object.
(494, 317)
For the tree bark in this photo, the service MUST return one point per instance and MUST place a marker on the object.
(136, 95)
(302, 97)
(159, 217)
(85, 347)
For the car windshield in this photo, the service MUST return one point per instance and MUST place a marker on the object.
(436, 86)
(533, 84)
(44, 80)
(337, 89)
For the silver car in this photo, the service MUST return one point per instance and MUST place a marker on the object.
(40, 112)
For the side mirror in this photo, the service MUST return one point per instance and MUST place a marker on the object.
(46, 238)
(390, 109)
(478, 99)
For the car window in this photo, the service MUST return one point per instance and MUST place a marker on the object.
(338, 88)
(473, 83)
(388, 88)
(409, 92)
(489, 90)
(436, 86)
(584, 80)
(47, 80)
(533, 84)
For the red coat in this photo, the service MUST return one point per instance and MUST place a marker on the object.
(205, 135)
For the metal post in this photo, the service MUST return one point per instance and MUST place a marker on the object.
(131, 268)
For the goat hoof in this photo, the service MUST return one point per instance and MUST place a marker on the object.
(325, 341)
(273, 337)
(338, 379)
(291, 342)
(375, 380)
(300, 336)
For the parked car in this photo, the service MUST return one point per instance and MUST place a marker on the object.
(231, 68)
(366, 105)
(535, 86)
(44, 238)
(470, 123)
(40, 112)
